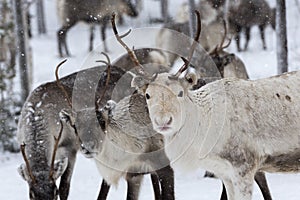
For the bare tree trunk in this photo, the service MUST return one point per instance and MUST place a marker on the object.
(165, 11)
(21, 46)
(40, 17)
(281, 35)
(297, 5)
(192, 21)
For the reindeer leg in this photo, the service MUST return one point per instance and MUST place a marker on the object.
(103, 33)
(60, 41)
(103, 191)
(247, 32)
(261, 181)
(262, 35)
(224, 193)
(64, 185)
(92, 31)
(61, 36)
(156, 187)
(238, 186)
(237, 37)
(165, 174)
(133, 185)
(166, 179)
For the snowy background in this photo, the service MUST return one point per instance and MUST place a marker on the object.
(86, 179)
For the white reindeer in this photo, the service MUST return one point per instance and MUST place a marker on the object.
(197, 134)
(232, 127)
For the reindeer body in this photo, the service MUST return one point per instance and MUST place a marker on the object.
(89, 11)
(38, 124)
(248, 14)
(231, 127)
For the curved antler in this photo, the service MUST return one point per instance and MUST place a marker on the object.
(68, 99)
(51, 173)
(59, 83)
(108, 63)
(193, 47)
(140, 68)
(27, 162)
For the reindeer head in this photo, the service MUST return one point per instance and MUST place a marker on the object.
(86, 127)
(219, 56)
(84, 119)
(166, 97)
(165, 94)
(42, 181)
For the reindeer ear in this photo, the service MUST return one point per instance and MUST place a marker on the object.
(67, 116)
(22, 170)
(60, 167)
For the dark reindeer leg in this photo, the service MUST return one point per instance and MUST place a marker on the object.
(247, 32)
(103, 190)
(237, 37)
(262, 35)
(103, 33)
(133, 185)
(224, 194)
(156, 187)
(92, 33)
(261, 181)
(61, 36)
(64, 185)
(166, 179)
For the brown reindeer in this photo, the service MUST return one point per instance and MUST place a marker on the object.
(89, 11)
(248, 14)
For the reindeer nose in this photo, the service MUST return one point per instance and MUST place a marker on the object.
(163, 121)
(170, 121)
(87, 150)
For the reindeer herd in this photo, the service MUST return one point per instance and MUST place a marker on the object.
(219, 121)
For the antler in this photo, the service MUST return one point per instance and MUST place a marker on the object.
(55, 149)
(140, 68)
(193, 47)
(59, 83)
(220, 47)
(27, 162)
(68, 99)
(108, 63)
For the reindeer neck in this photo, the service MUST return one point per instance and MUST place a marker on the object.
(37, 139)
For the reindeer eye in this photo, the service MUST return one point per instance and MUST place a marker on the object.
(190, 80)
(147, 96)
(180, 94)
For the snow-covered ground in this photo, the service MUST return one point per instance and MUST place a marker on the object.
(86, 179)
